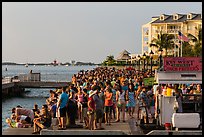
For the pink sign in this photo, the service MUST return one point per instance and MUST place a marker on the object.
(182, 64)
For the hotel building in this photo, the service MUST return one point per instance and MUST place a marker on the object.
(170, 24)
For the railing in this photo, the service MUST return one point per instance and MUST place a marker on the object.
(29, 77)
(35, 77)
(6, 80)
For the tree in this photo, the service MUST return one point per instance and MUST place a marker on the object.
(163, 41)
(197, 41)
(187, 50)
(109, 60)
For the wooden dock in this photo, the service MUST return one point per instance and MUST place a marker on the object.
(17, 88)
(41, 84)
(35, 84)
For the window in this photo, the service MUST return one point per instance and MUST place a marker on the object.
(162, 17)
(175, 17)
(189, 16)
(188, 75)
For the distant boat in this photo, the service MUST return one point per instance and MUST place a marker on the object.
(55, 63)
(67, 65)
(26, 65)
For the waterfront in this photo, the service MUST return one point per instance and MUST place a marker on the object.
(48, 73)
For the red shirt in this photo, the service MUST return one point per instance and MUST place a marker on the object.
(92, 104)
(108, 99)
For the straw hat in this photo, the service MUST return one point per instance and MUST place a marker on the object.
(59, 91)
(91, 93)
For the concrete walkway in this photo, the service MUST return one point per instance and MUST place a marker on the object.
(116, 128)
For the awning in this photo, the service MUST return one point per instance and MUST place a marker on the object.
(163, 77)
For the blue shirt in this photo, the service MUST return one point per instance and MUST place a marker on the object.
(125, 88)
(64, 99)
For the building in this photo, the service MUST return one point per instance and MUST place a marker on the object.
(123, 57)
(170, 24)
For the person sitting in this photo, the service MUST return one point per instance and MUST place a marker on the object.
(43, 121)
(21, 121)
(23, 111)
(36, 110)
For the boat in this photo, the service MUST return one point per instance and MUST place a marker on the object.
(54, 63)
(26, 65)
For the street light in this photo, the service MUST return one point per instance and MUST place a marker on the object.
(151, 57)
(160, 58)
(144, 57)
(139, 61)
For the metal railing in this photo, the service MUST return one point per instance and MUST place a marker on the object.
(6, 80)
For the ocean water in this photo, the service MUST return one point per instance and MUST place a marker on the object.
(39, 95)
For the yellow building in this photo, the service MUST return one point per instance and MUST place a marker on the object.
(171, 24)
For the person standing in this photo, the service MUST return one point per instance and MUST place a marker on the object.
(85, 108)
(108, 104)
(120, 99)
(99, 109)
(80, 97)
(143, 105)
(63, 100)
(178, 94)
(131, 100)
(91, 109)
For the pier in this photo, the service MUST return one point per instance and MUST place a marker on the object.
(11, 86)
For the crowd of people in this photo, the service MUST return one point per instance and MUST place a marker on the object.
(101, 95)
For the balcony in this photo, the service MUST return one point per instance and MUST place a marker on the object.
(173, 31)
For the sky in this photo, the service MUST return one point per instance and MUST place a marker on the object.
(39, 32)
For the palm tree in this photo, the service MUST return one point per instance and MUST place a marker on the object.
(197, 47)
(187, 50)
(163, 41)
(109, 60)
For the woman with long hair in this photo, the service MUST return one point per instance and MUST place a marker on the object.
(80, 97)
(43, 121)
(131, 100)
(120, 99)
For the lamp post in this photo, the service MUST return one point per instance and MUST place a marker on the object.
(144, 57)
(160, 58)
(139, 62)
(151, 57)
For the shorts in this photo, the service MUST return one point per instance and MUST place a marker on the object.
(108, 109)
(63, 112)
(143, 112)
(152, 110)
(54, 121)
(89, 113)
(46, 124)
(121, 104)
(84, 112)
(19, 125)
(131, 104)
(28, 119)
(79, 105)
(98, 114)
